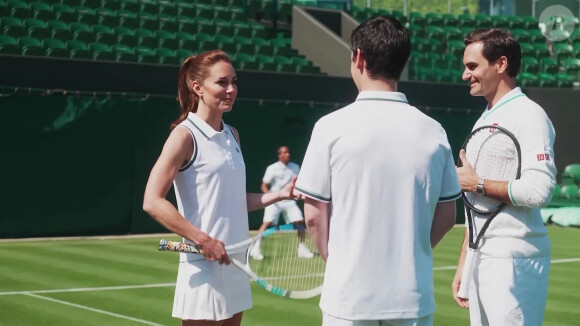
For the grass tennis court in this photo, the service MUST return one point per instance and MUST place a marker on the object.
(126, 281)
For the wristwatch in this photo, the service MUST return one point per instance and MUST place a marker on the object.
(479, 189)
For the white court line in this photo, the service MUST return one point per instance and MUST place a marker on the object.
(160, 285)
(105, 288)
(104, 312)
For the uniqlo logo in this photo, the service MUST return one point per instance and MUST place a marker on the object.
(541, 157)
(547, 157)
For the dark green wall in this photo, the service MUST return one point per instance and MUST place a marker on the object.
(78, 165)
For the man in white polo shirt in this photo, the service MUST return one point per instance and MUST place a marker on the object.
(511, 267)
(277, 176)
(380, 187)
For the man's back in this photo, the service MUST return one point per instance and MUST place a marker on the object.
(387, 166)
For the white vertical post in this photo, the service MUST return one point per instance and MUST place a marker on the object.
(449, 6)
(405, 7)
(490, 7)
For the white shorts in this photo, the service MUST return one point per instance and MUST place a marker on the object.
(206, 290)
(328, 320)
(289, 210)
(509, 291)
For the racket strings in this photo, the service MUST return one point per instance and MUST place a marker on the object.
(282, 265)
(493, 155)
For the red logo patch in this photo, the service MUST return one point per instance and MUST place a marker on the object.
(547, 157)
(540, 157)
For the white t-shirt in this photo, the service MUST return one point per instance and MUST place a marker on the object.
(383, 165)
(211, 189)
(518, 230)
(278, 175)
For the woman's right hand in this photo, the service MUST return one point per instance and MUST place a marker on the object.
(214, 250)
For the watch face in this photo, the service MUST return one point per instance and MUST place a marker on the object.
(479, 190)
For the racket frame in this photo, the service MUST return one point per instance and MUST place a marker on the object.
(176, 246)
(473, 246)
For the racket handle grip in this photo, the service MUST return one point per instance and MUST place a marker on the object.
(467, 275)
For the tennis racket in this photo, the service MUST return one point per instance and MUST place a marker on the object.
(495, 154)
(281, 271)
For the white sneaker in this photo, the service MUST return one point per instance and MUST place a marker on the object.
(256, 254)
(303, 252)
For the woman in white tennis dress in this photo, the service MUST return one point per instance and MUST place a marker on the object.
(203, 160)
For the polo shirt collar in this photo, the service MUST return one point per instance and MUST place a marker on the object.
(202, 126)
(381, 96)
(516, 92)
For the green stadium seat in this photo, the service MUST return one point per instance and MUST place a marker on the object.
(527, 79)
(516, 22)
(433, 59)
(467, 21)
(149, 24)
(129, 22)
(147, 58)
(483, 21)
(10, 21)
(121, 48)
(434, 32)
(564, 80)
(207, 29)
(89, 19)
(563, 51)
(109, 21)
(107, 38)
(188, 45)
(148, 41)
(207, 46)
(21, 13)
(44, 15)
(569, 191)
(80, 54)
(170, 43)
(243, 31)
(571, 174)
(83, 10)
(85, 36)
(56, 24)
(75, 27)
(456, 48)
(168, 9)
(530, 64)
(542, 50)
(143, 50)
(530, 22)
(500, 22)
(184, 36)
(572, 67)
(527, 50)
(5, 39)
(453, 33)
(14, 31)
(521, 35)
(225, 29)
(536, 36)
(125, 57)
(56, 53)
(39, 5)
(450, 19)
(140, 32)
(189, 28)
(549, 65)
(76, 45)
(104, 56)
(169, 26)
(112, 5)
(183, 54)
(417, 18)
(39, 32)
(433, 19)
(183, 19)
(415, 31)
(59, 7)
(33, 23)
(51, 43)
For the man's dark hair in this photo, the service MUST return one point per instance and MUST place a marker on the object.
(385, 46)
(498, 43)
